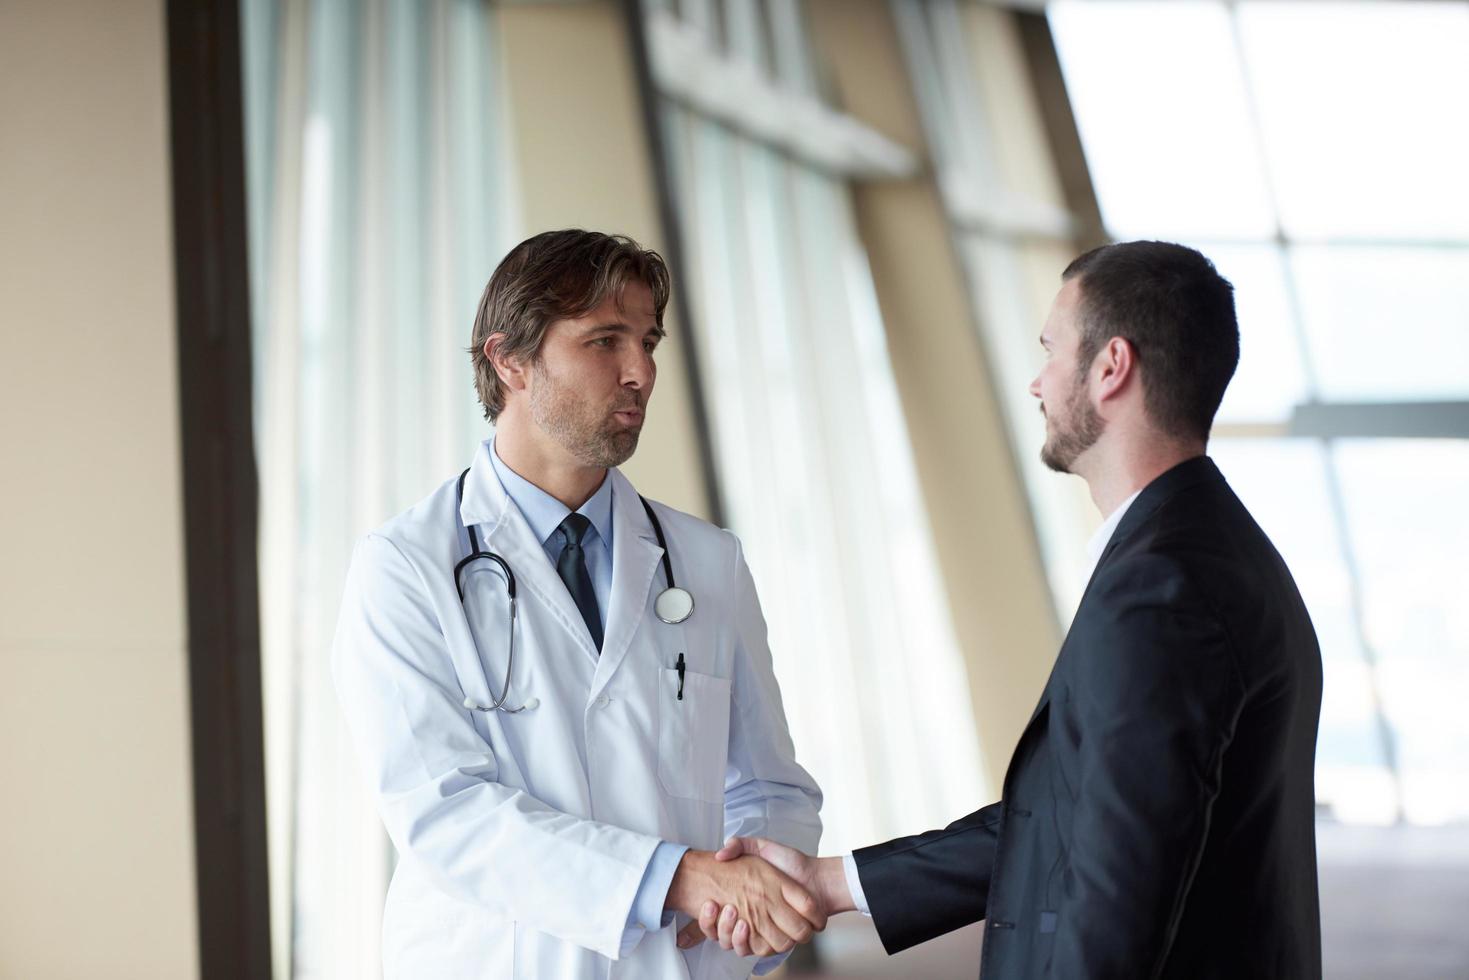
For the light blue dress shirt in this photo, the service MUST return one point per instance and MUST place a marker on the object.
(544, 513)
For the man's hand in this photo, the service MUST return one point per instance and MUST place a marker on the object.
(776, 912)
(822, 878)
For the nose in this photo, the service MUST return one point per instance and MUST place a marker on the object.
(638, 371)
(1035, 386)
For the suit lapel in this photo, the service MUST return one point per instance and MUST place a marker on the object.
(1190, 472)
(1154, 495)
(635, 558)
(503, 530)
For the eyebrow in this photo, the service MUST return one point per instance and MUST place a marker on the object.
(617, 326)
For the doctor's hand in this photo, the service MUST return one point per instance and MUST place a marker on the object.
(777, 912)
(824, 878)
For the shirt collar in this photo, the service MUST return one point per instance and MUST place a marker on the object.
(544, 513)
(1098, 542)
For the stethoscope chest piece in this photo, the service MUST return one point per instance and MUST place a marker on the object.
(673, 606)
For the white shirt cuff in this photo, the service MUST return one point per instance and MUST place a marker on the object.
(854, 885)
(647, 914)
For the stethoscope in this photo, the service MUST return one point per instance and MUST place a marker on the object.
(673, 605)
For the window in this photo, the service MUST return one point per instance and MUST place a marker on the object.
(1315, 152)
(811, 450)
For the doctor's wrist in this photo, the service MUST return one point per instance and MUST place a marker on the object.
(692, 883)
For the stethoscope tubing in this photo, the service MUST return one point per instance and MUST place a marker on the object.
(476, 553)
(658, 533)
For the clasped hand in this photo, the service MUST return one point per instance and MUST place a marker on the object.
(784, 900)
(772, 910)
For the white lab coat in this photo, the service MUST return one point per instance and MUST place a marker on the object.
(522, 839)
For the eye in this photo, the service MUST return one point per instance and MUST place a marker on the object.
(603, 341)
(650, 346)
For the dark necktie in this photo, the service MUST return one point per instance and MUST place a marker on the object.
(572, 567)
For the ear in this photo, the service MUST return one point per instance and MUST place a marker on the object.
(1115, 368)
(512, 372)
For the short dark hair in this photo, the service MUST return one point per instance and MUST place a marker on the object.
(1176, 310)
(556, 275)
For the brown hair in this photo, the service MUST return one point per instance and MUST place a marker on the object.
(556, 275)
(1177, 311)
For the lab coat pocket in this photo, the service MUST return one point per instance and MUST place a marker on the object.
(693, 735)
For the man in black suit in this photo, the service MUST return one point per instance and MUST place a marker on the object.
(1156, 818)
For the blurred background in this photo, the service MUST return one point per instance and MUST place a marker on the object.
(867, 205)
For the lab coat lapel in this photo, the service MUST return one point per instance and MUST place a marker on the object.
(504, 530)
(635, 558)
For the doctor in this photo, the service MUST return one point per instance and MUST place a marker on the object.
(555, 780)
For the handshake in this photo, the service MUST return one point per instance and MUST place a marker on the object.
(756, 897)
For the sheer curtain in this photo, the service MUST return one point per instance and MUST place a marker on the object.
(376, 214)
(811, 447)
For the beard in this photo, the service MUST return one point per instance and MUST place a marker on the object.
(1073, 432)
(591, 434)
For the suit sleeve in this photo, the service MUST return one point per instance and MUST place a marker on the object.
(1155, 695)
(921, 887)
(434, 776)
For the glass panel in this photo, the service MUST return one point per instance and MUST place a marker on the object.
(1386, 323)
(702, 14)
(810, 443)
(1405, 502)
(744, 34)
(790, 46)
(1160, 104)
(1283, 483)
(1012, 316)
(1269, 381)
(1362, 109)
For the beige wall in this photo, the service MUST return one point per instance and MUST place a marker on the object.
(987, 549)
(96, 830)
(581, 160)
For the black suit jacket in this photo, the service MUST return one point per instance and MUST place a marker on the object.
(1157, 816)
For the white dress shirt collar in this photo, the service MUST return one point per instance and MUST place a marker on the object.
(1103, 535)
(544, 513)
